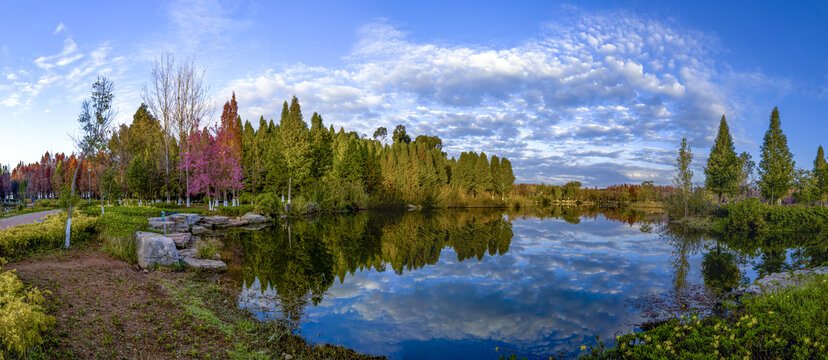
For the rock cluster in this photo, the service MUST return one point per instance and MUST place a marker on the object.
(182, 231)
(778, 281)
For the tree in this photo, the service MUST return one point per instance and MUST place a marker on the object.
(137, 179)
(723, 166)
(161, 99)
(321, 151)
(191, 103)
(380, 133)
(683, 179)
(482, 175)
(804, 184)
(506, 178)
(821, 175)
(747, 168)
(431, 142)
(95, 120)
(213, 162)
(295, 143)
(777, 166)
(400, 136)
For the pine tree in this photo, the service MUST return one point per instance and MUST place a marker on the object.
(821, 174)
(495, 170)
(776, 168)
(295, 143)
(507, 177)
(482, 175)
(683, 180)
(722, 170)
(321, 148)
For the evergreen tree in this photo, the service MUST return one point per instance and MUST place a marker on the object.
(683, 179)
(507, 177)
(482, 175)
(776, 168)
(295, 143)
(723, 166)
(321, 148)
(821, 175)
(495, 170)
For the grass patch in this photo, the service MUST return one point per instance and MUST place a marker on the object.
(208, 249)
(788, 324)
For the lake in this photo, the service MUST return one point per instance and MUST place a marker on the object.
(461, 283)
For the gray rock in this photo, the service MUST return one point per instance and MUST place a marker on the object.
(214, 220)
(152, 248)
(777, 281)
(158, 224)
(186, 218)
(235, 223)
(252, 218)
(193, 253)
(205, 265)
(198, 230)
(180, 239)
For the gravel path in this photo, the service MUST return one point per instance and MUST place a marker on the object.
(25, 218)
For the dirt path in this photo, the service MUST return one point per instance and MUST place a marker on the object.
(26, 218)
(106, 309)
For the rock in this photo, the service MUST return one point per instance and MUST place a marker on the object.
(158, 224)
(198, 230)
(186, 218)
(236, 223)
(252, 218)
(214, 220)
(152, 248)
(777, 281)
(180, 239)
(205, 265)
(193, 253)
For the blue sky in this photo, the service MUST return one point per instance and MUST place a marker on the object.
(599, 92)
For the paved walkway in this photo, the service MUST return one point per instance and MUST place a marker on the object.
(25, 218)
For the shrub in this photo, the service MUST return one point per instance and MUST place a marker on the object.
(234, 210)
(334, 195)
(699, 204)
(117, 234)
(753, 218)
(207, 249)
(787, 324)
(268, 204)
(46, 234)
(22, 319)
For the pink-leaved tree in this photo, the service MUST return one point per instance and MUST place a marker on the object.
(212, 164)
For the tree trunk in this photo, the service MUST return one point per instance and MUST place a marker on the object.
(69, 211)
(167, 165)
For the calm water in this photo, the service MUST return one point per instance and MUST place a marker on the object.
(457, 284)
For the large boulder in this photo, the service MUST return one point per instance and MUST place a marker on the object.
(252, 218)
(158, 223)
(152, 248)
(180, 239)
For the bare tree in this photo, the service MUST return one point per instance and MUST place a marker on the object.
(160, 98)
(95, 120)
(191, 104)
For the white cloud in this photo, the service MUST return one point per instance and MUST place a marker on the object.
(615, 82)
(60, 28)
(67, 56)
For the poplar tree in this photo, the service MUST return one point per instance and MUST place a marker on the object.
(776, 168)
(821, 174)
(683, 179)
(723, 166)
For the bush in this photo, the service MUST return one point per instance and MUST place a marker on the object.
(789, 324)
(235, 211)
(699, 204)
(334, 195)
(208, 249)
(117, 234)
(268, 204)
(47, 234)
(22, 319)
(753, 218)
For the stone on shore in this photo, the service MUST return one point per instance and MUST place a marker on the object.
(777, 281)
(186, 218)
(180, 239)
(198, 230)
(214, 221)
(252, 218)
(190, 259)
(152, 248)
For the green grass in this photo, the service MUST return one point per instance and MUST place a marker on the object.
(44, 235)
(788, 324)
(208, 249)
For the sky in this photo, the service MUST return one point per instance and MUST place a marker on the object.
(593, 91)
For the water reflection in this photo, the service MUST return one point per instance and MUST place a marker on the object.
(455, 284)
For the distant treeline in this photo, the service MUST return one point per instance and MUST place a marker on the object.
(572, 191)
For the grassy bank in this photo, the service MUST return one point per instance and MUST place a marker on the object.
(788, 324)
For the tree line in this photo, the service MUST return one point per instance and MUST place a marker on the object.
(166, 152)
(732, 176)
